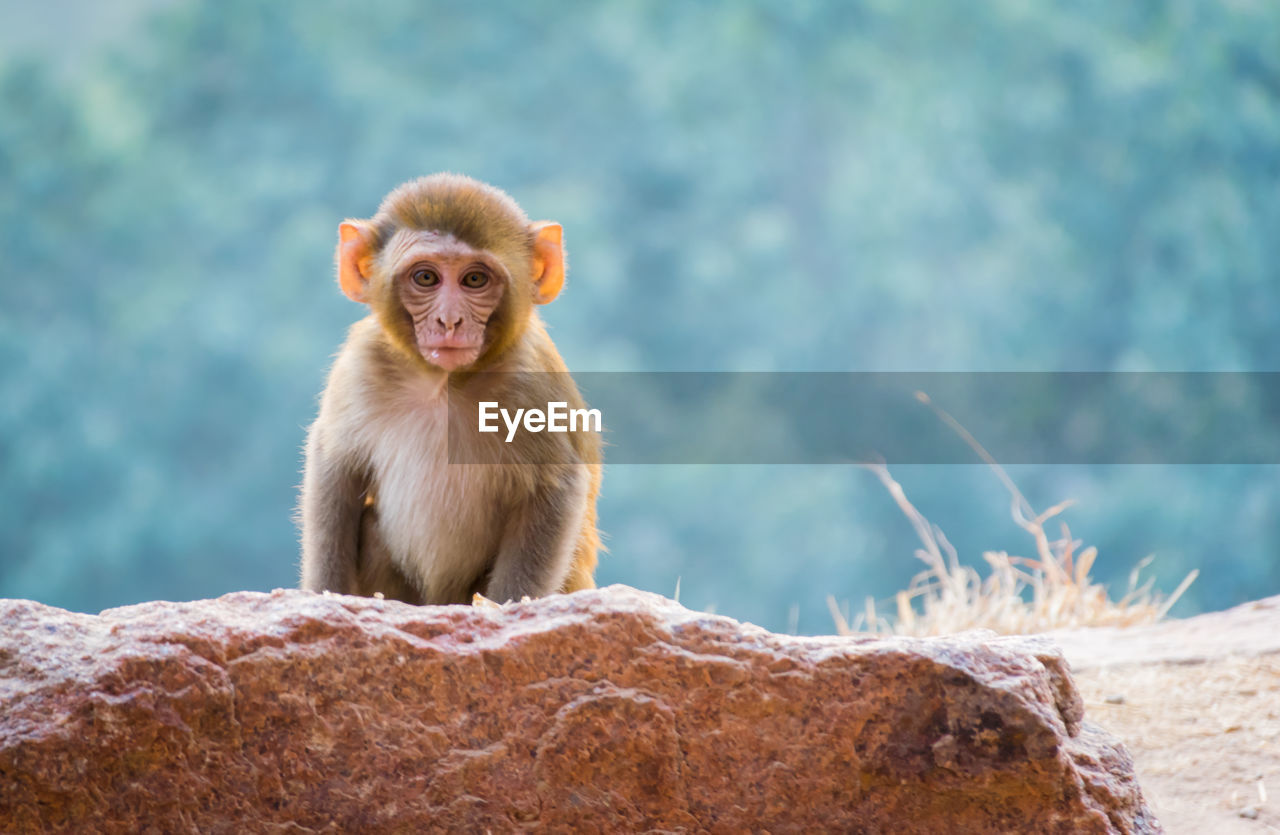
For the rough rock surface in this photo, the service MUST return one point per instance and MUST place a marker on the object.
(608, 710)
(1197, 703)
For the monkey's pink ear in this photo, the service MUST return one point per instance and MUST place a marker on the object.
(548, 261)
(355, 258)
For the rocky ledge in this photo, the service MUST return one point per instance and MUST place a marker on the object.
(611, 710)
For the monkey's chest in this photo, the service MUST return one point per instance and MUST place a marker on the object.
(440, 522)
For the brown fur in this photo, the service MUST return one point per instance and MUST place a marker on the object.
(382, 510)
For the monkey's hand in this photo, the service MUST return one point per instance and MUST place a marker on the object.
(540, 535)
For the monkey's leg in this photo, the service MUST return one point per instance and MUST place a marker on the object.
(539, 539)
(582, 571)
(376, 571)
(330, 508)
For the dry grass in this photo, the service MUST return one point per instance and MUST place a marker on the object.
(1051, 590)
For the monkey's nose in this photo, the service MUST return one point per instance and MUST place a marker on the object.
(449, 321)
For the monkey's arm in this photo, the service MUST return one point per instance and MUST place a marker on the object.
(538, 542)
(332, 502)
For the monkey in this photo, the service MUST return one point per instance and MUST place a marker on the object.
(451, 269)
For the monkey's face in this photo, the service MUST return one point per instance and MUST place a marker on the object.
(450, 291)
(452, 268)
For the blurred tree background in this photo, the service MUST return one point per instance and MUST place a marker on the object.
(744, 185)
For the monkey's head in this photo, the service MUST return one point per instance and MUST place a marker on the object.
(452, 268)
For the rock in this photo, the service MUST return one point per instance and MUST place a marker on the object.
(606, 710)
(1245, 630)
(1199, 712)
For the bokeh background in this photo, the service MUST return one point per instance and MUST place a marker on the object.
(745, 185)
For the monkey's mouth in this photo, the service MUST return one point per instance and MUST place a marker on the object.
(450, 354)
(451, 341)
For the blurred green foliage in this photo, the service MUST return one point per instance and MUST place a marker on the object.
(745, 185)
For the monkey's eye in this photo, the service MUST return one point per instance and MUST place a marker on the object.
(475, 279)
(425, 278)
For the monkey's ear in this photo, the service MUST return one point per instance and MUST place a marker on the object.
(355, 258)
(548, 261)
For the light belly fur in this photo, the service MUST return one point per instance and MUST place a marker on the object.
(438, 521)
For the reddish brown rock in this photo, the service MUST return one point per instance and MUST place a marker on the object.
(609, 710)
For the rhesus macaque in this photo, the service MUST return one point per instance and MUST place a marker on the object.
(451, 269)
